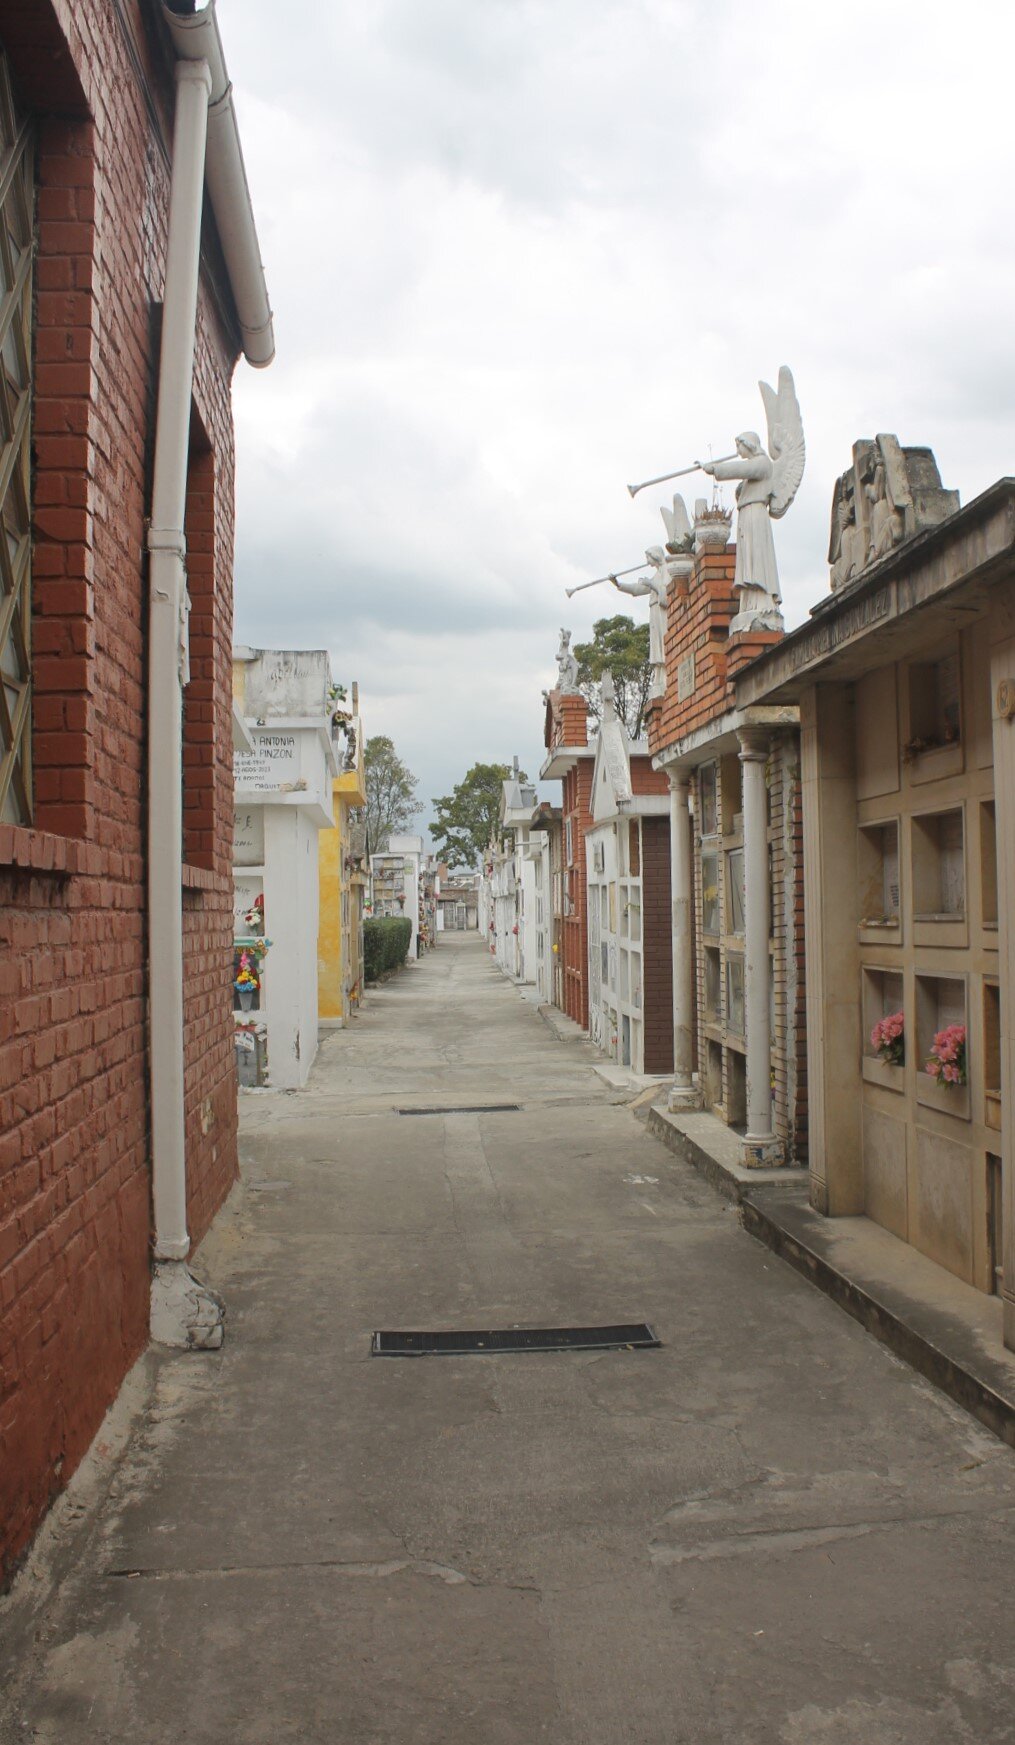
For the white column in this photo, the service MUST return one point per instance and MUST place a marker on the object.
(684, 1094)
(760, 1139)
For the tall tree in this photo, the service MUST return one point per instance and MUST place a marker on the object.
(468, 817)
(620, 646)
(391, 792)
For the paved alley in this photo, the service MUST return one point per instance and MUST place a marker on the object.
(770, 1531)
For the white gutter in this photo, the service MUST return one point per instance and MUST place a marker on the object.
(196, 38)
(183, 1313)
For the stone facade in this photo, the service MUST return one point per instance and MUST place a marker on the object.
(905, 682)
(628, 876)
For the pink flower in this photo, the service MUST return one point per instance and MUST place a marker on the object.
(888, 1038)
(947, 1061)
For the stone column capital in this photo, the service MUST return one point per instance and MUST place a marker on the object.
(755, 744)
(679, 780)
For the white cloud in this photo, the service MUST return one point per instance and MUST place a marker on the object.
(520, 253)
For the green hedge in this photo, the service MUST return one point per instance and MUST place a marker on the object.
(385, 944)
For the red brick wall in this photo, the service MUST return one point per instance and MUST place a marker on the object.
(566, 724)
(657, 964)
(645, 779)
(698, 620)
(74, 1157)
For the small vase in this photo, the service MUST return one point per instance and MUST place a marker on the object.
(246, 998)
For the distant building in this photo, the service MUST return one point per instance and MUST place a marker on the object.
(569, 760)
(457, 901)
(544, 850)
(627, 845)
(404, 880)
(284, 799)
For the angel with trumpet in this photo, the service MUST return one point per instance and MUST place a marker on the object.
(769, 481)
(663, 566)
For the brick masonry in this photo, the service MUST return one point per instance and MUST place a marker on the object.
(567, 725)
(702, 666)
(75, 1218)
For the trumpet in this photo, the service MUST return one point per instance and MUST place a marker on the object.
(601, 579)
(682, 474)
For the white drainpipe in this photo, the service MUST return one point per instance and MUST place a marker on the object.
(183, 1313)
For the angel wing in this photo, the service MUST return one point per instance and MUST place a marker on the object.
(785, 441)
(678, 527)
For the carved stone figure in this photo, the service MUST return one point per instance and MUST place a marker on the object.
(769, 483)
(567, 665)
(664, 568)
(679, 532)
(887, 496)
(845, 549)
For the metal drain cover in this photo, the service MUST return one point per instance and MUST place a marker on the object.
(464, 1109)
(495, 1341)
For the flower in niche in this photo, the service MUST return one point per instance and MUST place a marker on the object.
(888, 1038)
(947, 1061)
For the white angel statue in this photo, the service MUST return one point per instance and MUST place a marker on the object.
(679, 543)
(769, 484)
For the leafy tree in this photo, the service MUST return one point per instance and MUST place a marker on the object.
(391, 792)
(620, 646)
(468, 817)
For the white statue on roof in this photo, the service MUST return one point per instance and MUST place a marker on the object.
(567, 664)
(664, 566)
(769, 482)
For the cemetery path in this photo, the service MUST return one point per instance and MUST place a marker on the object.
(768, 1530)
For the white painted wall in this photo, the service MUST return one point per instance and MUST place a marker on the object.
(289, 980)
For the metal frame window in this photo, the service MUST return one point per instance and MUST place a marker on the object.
(17, 214)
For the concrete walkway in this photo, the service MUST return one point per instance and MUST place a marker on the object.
(770, 1530)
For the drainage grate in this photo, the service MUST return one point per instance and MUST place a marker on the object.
(629, 1335)
(464, 1109)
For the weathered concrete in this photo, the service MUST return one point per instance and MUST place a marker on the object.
(771, 1530)
(950, 1332)
(717, 1152)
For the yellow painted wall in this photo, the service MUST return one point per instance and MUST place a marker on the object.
(338, 966)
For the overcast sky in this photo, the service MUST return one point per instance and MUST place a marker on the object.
(523, 251)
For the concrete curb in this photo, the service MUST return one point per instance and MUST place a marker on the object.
(712, 1150)
(941, 1347)
(564, 1029)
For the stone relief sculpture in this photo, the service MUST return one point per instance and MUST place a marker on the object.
(769, 483)
(889, 495)
(567, 665)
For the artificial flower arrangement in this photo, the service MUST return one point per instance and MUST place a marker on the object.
(888, 1038)
(947, 1062)
(247, 979)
